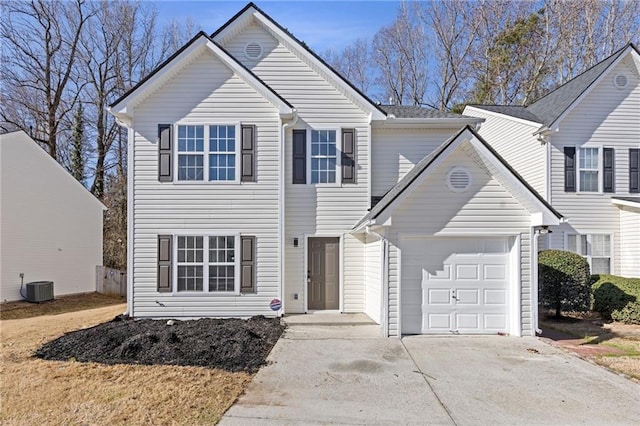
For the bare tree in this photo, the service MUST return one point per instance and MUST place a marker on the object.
(454, 31)
(354, 63)
(39, 75)
(400, 53)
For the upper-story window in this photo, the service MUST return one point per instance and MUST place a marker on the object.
(190, 152)
(211, 153)
(222, 153)
(329, 157)
(218, 163)
(588, 169)
(323, 156)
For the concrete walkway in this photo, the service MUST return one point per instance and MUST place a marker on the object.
(349, 375)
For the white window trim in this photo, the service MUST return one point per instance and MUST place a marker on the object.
(338, 182)
(589, 256)
(205, 269)
(205, 177)
(600, 170)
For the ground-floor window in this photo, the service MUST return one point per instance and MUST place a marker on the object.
(206, 263)
(596, 248)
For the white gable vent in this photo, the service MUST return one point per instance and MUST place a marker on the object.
(620, 81)
(253, 50)
(458, 179)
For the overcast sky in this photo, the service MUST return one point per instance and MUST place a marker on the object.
(321, 24)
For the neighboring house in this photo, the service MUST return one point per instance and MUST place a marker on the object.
(50, 225)
(253, 173)
(579, 146)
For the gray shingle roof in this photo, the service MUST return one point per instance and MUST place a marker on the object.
(550, 107)
(407, 111)
(512, 110)
(408, 179)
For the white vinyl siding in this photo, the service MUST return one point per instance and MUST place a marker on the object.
(373, 279)
(515, 142)
(630, 242)
(50, 225)
(396, 151)
(205, 91)
(314, 210)
(606, 117)
(485, 209)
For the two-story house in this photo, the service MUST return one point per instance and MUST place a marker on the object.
(253, 172)
(579, 146)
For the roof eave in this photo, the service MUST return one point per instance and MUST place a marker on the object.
(435, 122)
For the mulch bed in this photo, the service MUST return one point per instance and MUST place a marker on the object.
(228, 344)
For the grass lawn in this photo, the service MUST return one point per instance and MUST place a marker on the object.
(60, 305)
(37, 392)
(593, 331)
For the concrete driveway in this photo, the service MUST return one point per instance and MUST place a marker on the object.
(348, 375)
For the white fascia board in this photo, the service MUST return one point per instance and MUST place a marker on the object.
(120, 109)
(505, 116)
(626, 203)
(285, 110)
(376, 114)
(431, 123)
(556, 124)
(548, 217)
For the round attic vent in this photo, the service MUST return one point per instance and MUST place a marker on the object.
(253, 50)
(458, 179)
(620, 81)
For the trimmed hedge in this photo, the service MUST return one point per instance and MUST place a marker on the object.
(565, 281)
(617, 298)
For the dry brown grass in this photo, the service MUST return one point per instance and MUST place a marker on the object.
(624, 337)
(38, 392)
(60, 305)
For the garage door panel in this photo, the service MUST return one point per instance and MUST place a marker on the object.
(494, 272)
(467, 297)
(495, 296)
(439, 296)
(467, 272)
(438, 272)
(462, 284)
(440, 322)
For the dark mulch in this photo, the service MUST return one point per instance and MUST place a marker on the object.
(228, 344)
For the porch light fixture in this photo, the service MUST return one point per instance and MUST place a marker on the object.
(295, 242)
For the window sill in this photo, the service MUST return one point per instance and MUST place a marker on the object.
(205, 294)
(208, 182)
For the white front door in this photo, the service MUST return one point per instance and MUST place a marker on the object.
(455, 285)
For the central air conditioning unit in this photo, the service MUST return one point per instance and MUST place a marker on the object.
(39, 291)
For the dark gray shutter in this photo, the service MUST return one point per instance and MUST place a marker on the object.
(248, 153)
(608, 176)
(569, 169)
(165, 164)
(299, 156)
(164, 263)
(248, 264)
(348, 156)
(634, 170)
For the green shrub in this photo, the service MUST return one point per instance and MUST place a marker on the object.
(565, 281)
(617, 298)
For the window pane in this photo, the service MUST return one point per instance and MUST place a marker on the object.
(190, 167)
(190, 278)
(589, 181)
(571, 243)
(601, 245)
(323, 156)
(600, 265)
(190, 138)
(221, 278)
(222, 160)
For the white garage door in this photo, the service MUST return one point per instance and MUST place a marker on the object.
(455, 285)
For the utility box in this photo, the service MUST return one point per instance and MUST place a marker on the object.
(39, 291)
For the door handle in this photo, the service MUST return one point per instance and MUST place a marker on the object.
(453, 295)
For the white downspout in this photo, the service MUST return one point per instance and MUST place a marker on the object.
(281, 208)
(384, 268)
(534, 281)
